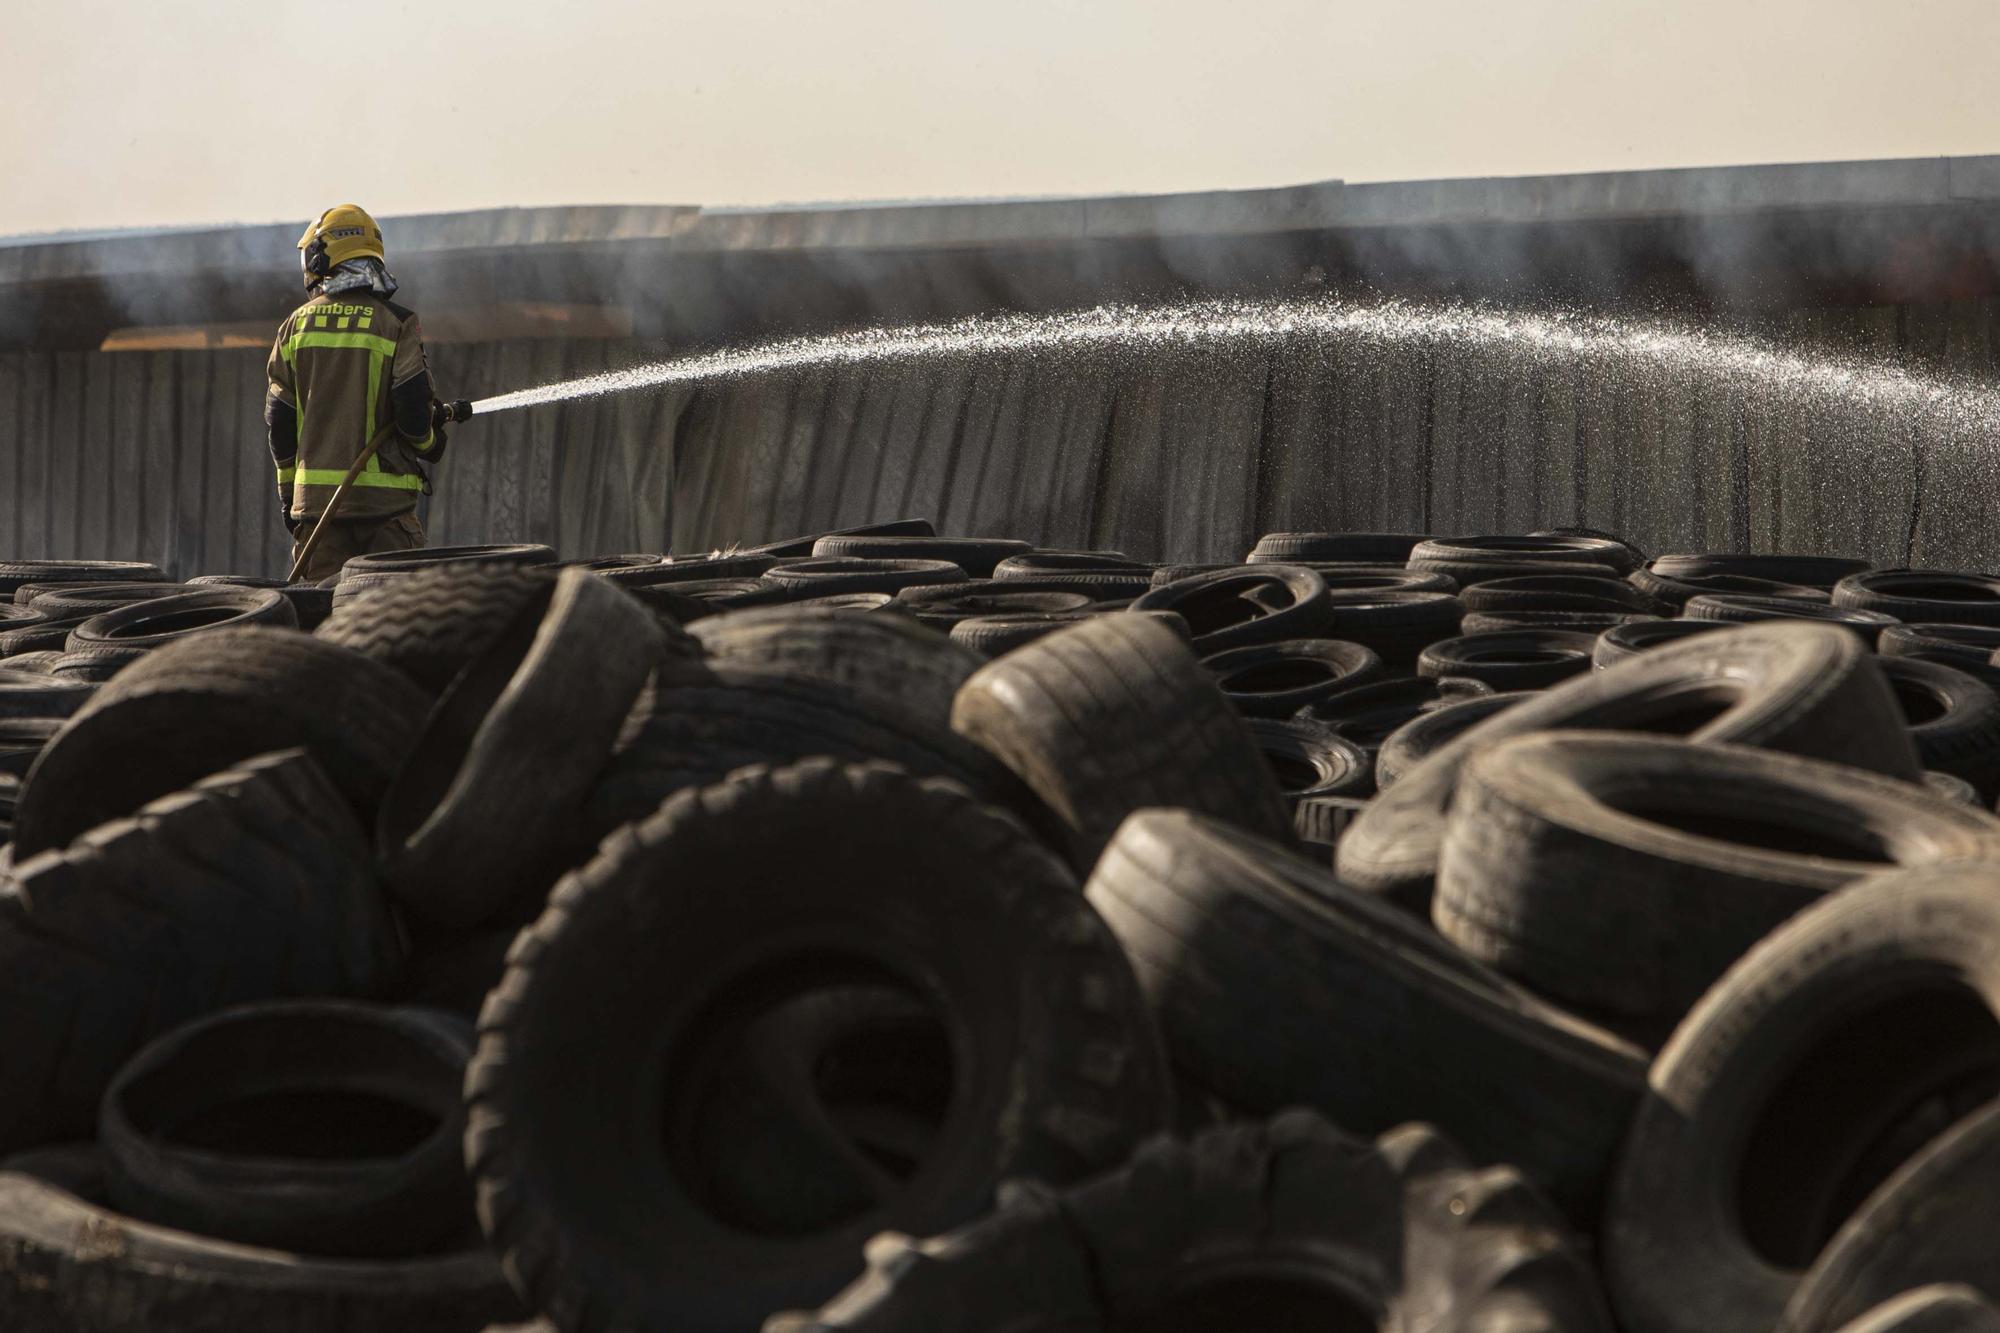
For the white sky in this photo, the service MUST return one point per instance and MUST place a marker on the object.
(141, 112)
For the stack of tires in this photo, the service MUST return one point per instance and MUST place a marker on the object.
(914, 934)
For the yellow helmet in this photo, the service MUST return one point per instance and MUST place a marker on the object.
(343, 232)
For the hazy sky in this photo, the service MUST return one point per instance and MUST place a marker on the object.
(134, 112)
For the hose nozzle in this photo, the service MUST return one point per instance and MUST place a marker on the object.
(443, 414)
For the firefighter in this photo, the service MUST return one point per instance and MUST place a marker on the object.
(347, 367)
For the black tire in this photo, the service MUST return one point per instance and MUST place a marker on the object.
(1277, 986)
(426, 557)
(88, 599)
(14, 573)
(1344, 581)
(849, 602)
(943, 605)
(632, 561)
(1471, 572)
(1954, 719)
(1674, 593)
(719, 594)
(431, 623)
(1308, 762)
(1038, 563)
(990, 636)
(1113, 715)
(13, 617)
(1939, 1308)
(87, 668)
(1056, 1068)
(1591, 623)
(1811, 571)
(975, 555)
(36, 664)
(1954, 645)
(1951, 787)
(1710, 848)
(63, 1278)
(1620, 642)
(1397, 624)
(35, 694)
(253, 885)
(1276, 680)
(1559, 592)
(321, 1126)
(1510, 660)
(690, 732)
(1552, 550)
(1234, 608)
(48, 635)
(456, 975)
(1748, 610)
(515, 743)
(1320, 820)
(203, 703)
(824, 577)
(691, 568)
(1824, 1057)
(1369, 714)
(1307, 548)
(1290, 1224)
(1429, 731)
(1922, 595)
(1804, 689)
(887, 664)
(21, 739)
(311, 603)
(1931, 1222)
(790, 547)
(125, 634)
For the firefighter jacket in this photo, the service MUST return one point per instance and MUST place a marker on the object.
(344, 369)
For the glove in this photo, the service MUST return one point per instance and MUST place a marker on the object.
(285, 510)
(292, 525)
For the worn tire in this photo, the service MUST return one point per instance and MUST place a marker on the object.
(1510, 660)
(201, 704)
(427, 557)
(885, 663)
(991, 636)
(260, 1125)
(1397, 623)
(1569, 622)
(1812, 571)
(35, 694)
(1429, 731)
(1922, 595)
(1954, 645)
(1275, 985)
(977, 556)
(1305, 548)
(1369, 714)
(1503, 550)
(1244, 605)
(1309, 762)
(429, 624)
(1058, 1070)
(942, 605)
(1793, 1088)
(1932, 1221)
(1738, 610)
(823, 577)
(253, 885)
(14, 573)
(1288, 1224)
(1109, 716)
(1625, 873)
(801, 547)
(515, 745)
(1038, 563)
(1804, 689)
(1954, 719)
(1939, 1308)
(1675, 593)
(125, 634)
(1559, 592)
(1276, 680)
(1633, 637)
(75, 1266)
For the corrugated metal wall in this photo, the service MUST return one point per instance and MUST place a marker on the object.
(160, 456)
(1183, 457)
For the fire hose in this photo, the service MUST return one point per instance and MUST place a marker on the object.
(442, 414)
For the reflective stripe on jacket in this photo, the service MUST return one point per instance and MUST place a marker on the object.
(340, 362)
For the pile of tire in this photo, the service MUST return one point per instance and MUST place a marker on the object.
(897, 933)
